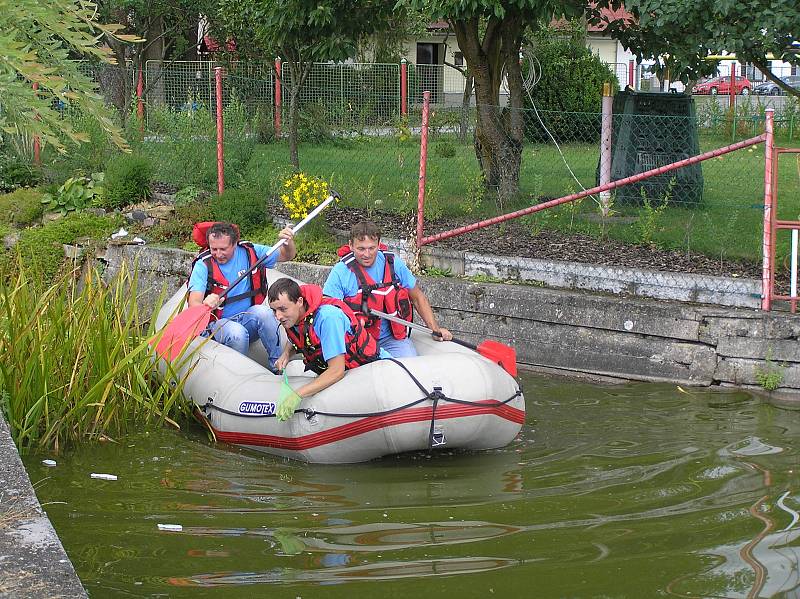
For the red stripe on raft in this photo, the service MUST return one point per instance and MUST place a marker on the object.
(371, 423)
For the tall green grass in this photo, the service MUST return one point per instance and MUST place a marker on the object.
(74, 363)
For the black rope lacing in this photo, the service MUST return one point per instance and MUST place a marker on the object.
(436, 396)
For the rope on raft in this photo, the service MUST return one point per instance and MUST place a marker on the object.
(436, 396)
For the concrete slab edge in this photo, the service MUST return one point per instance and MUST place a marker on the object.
(644, 283)
(33, 562)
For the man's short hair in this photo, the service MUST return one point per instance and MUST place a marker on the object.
(364, 229)
(223, 230)
(284, 285)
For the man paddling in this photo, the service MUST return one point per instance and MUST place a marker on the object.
(325, 331)
(243, 316)
(368, 276)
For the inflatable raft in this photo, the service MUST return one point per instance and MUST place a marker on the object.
(447, 397)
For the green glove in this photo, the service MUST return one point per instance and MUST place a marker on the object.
(290, 543)
(287, 405)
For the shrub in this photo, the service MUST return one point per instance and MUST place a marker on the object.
(571, 81)
(263, 126)
(15, 173)
(21, 208)
(42, 247)
(445, 148)
(127, 180)
(312, 123)
(247, 208)
(303, 193)
(85, 157)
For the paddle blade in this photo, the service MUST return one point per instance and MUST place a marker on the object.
(181, 330)
(499, 353)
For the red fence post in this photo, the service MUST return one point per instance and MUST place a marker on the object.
(423, 162)
(733, 89)
(37, 146)
(140, 100)
(631, 74)
(605, 146)
(278, 75)
(220, 134)
(768, 247)
(403, 87)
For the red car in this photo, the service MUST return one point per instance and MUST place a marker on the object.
(722, 85)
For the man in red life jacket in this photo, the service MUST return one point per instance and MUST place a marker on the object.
(325, 331)
(242, 316)
(369, 276)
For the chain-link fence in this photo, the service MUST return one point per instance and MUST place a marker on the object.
(706, 218)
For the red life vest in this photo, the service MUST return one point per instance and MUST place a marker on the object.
(360, 346)
(387, 296)
(217, 283)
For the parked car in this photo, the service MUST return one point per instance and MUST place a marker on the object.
(722, 85)
(768, 88)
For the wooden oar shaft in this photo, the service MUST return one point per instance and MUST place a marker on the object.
(279, 243)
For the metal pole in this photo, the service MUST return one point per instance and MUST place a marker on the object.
(140, 99)
(605, 146)
(220, 134)
(423, 162)
(793, 274)
(630, 73)
(769, 225)
(403, 87)
(732, 90)
(278, 73)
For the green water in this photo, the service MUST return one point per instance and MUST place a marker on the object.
(624, 491)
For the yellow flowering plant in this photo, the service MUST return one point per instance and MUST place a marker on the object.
(302, 193)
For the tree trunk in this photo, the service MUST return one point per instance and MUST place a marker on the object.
(294, 109)
(498, 132)
(113, 80)
(465, 100)
(298, 72)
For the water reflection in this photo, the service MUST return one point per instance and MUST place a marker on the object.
(602, 484)
(374, 572)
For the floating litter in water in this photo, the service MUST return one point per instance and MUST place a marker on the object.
(104, 476)
(50, 463)
(173, 527)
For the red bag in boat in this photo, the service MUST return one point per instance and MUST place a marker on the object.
(200, 232)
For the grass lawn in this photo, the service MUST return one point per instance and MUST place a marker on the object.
(382, 173)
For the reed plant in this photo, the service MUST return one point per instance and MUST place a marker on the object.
(75, 364)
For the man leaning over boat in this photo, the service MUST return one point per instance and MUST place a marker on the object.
(368, 276)
(328, 334)
(243, 315)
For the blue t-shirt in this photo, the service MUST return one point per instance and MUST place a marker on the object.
(330, 325)
(342, 282)
(231, 270)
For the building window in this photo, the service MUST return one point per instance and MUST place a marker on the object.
(458, 59)
(427, 53)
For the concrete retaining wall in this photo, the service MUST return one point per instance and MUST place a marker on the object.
(33, 562)
(575, 331)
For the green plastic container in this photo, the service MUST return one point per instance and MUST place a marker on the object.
(652, 130)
